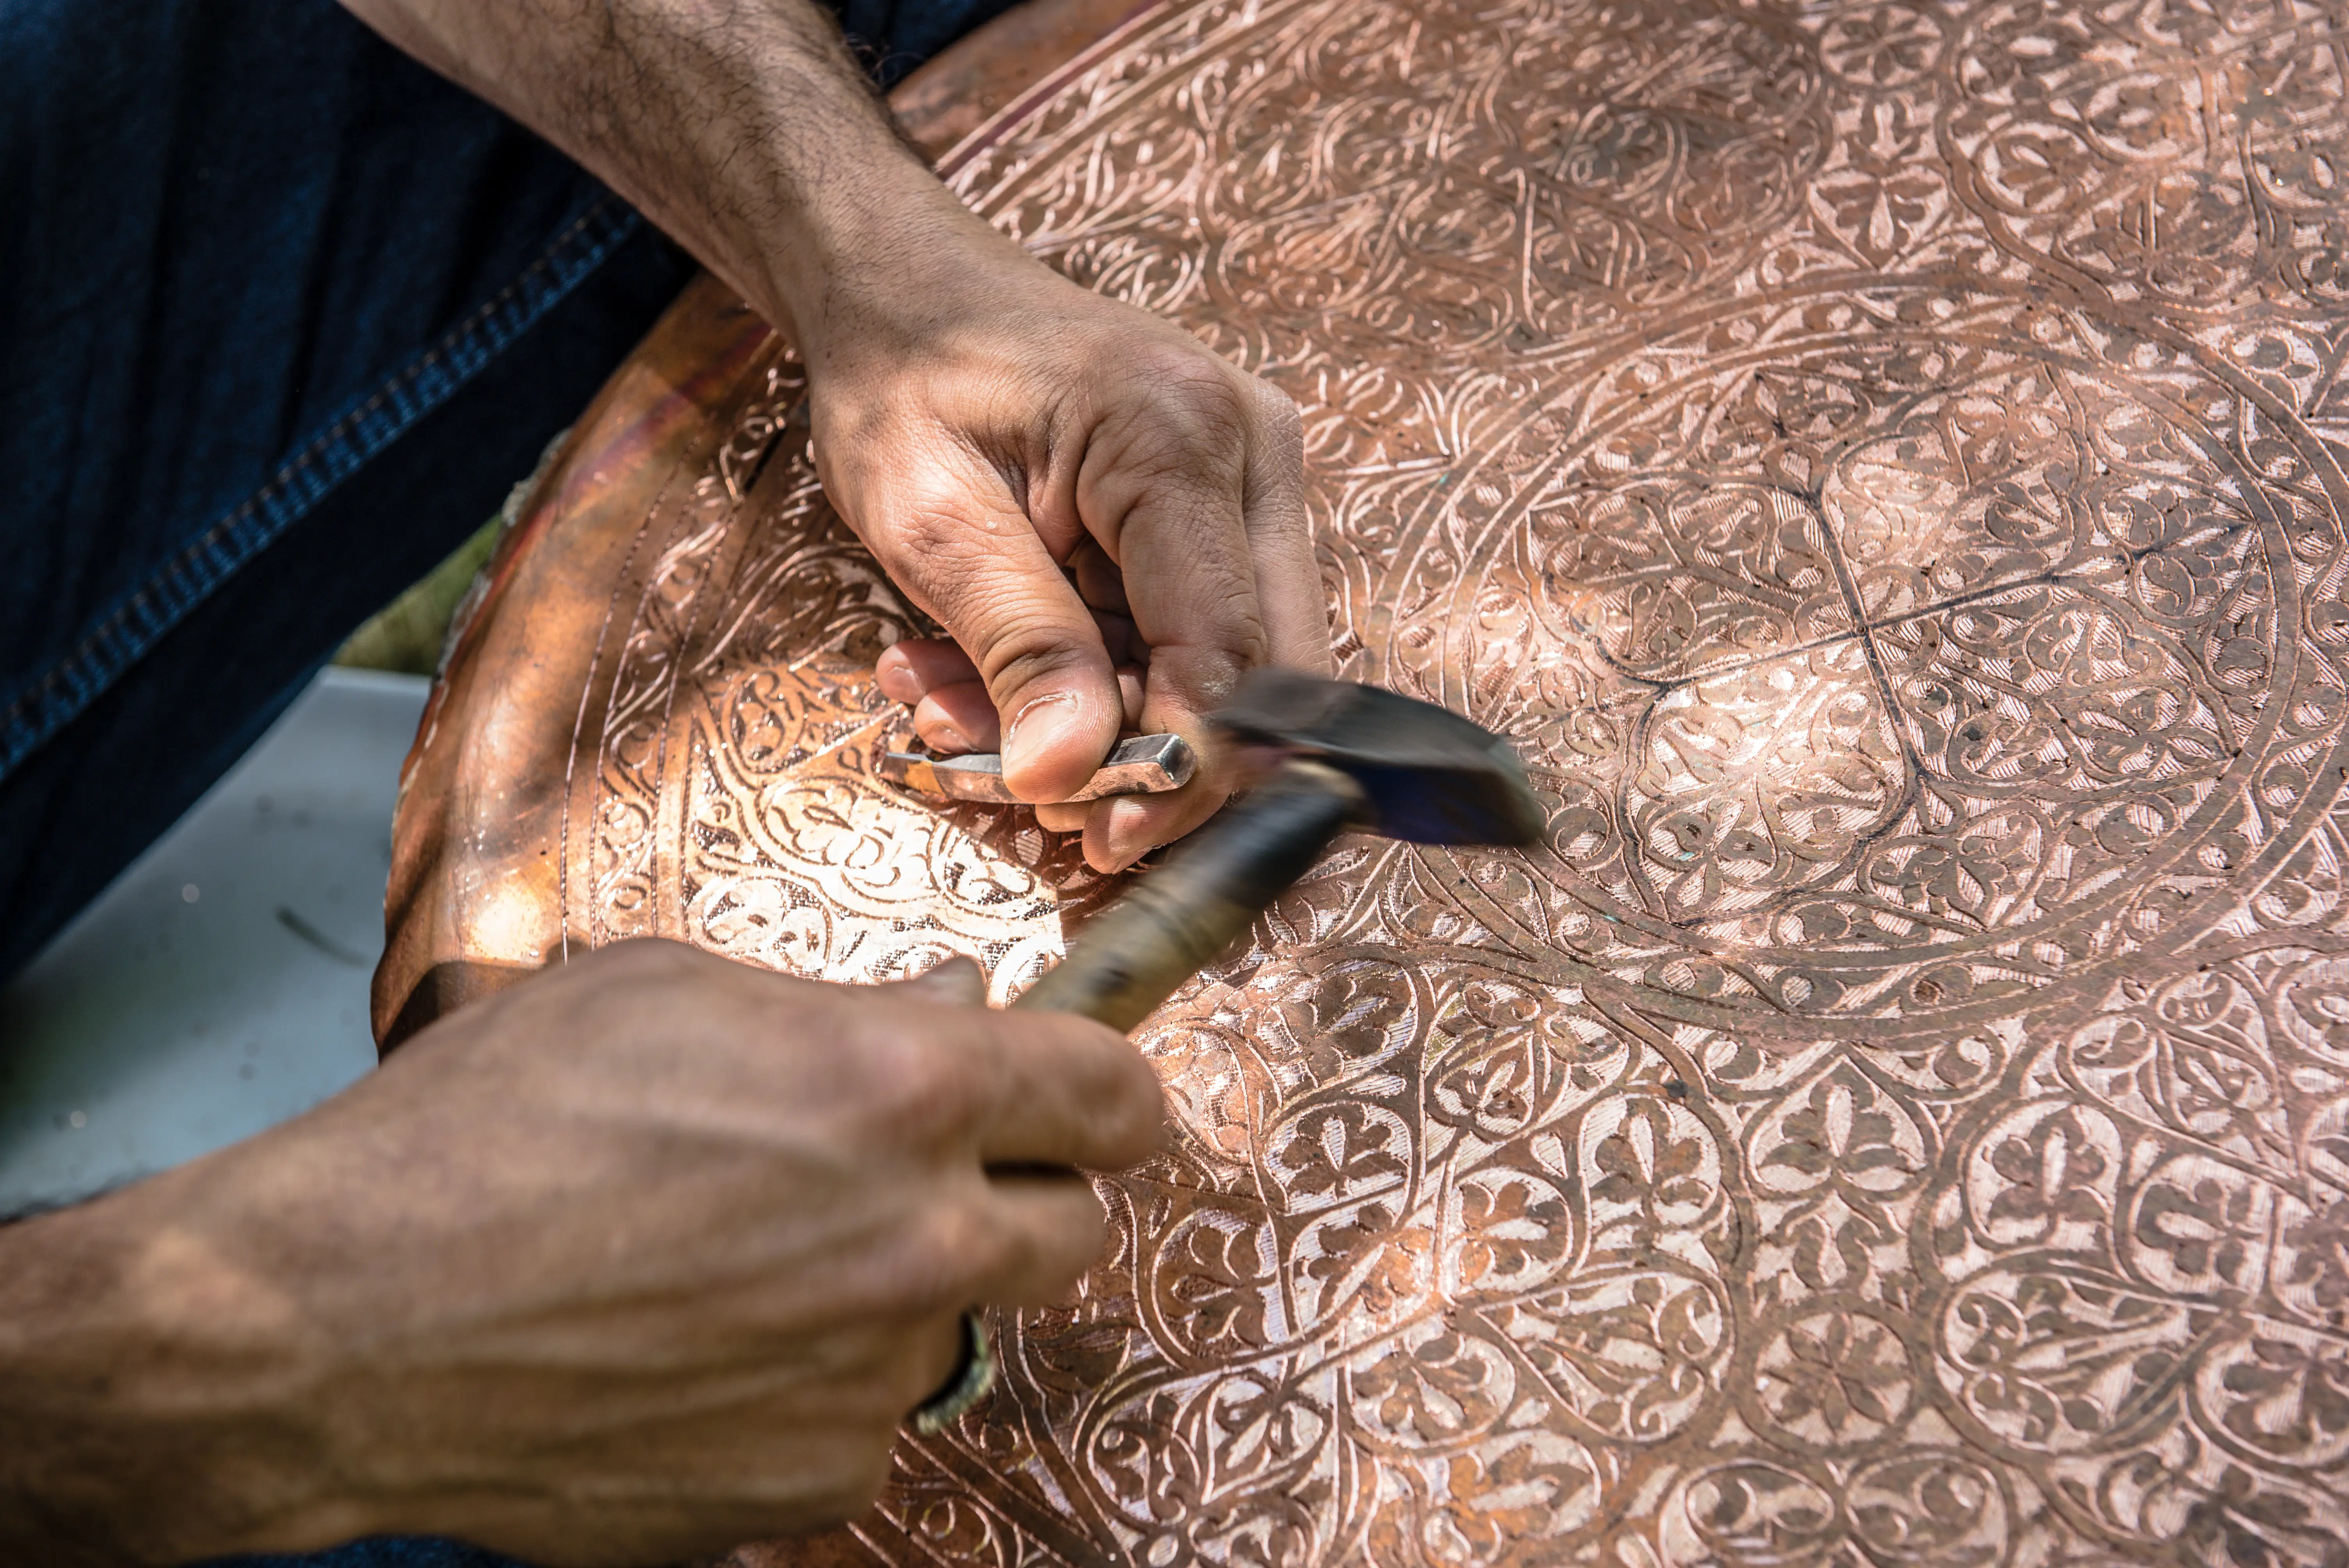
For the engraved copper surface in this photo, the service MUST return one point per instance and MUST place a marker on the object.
(1883, 465)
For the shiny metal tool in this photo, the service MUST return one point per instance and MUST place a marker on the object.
(1350, 757)
(1138, 765)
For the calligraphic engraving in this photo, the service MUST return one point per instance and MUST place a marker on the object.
(1883, 466)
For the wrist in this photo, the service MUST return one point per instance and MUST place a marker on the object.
(151, 1394)
(887, 272)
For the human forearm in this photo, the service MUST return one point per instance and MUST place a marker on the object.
(147, 1393)
(637, 1261)
(741, 126)
(1106, 517)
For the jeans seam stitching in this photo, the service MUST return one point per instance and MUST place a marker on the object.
(190, 575)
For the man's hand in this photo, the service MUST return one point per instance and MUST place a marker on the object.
(1002, 428)
(1106, 517)
(642, 1259)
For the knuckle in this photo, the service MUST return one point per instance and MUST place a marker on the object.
(928, 534)
(1029, 650)
(606, 995)
(1238, 622)
(1277, 412)
(1201, 410)
(913, 1095)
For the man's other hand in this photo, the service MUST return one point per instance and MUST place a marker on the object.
(645, 1258)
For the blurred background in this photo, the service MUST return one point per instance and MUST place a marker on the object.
(220, 986)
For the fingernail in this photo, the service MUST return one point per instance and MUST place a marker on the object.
(897, 682)
(1037, 727)
(1062, 819)
(945, 737)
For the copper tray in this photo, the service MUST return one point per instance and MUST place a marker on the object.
(1884, 464)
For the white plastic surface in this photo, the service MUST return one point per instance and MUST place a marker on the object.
(220, 986)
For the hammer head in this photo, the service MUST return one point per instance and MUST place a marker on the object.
(1431, 776)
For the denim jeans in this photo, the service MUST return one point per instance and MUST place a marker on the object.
(281, 317)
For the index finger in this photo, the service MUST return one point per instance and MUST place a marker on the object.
(1056, 1089)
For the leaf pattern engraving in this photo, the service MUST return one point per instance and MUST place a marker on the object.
(1883, 466)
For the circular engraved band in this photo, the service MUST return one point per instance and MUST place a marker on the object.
(1884, 466)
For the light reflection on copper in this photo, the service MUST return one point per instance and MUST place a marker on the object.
(1888, 1118)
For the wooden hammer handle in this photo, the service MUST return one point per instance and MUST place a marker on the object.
(1135, 954)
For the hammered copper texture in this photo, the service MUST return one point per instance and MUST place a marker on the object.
(1883, 464)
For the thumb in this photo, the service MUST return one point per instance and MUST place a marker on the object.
(972, 559)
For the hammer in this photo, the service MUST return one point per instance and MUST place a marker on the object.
(1350, 757)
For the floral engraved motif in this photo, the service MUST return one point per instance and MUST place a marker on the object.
(1834, 1379)
(1882, 464)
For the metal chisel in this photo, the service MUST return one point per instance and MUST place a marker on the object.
(1139, 765)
